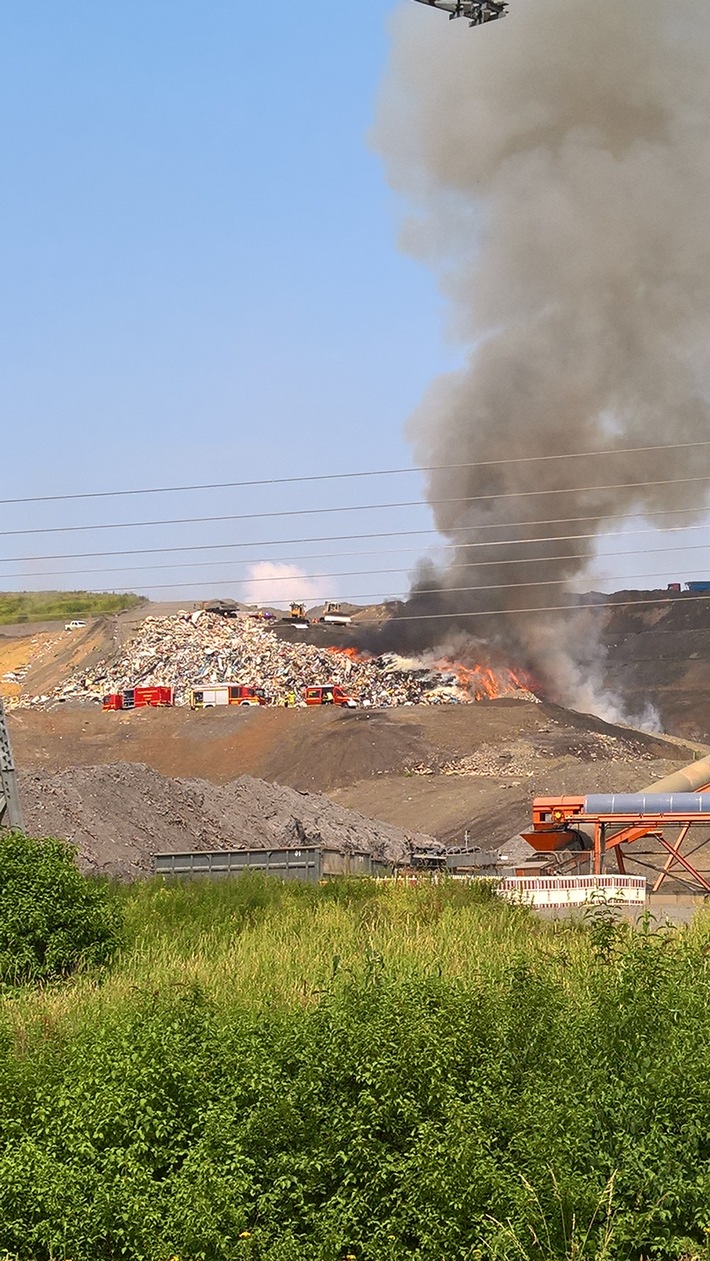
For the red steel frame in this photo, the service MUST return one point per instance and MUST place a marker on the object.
(556, 818)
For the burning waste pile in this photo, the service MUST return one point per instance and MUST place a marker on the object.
(188, 651)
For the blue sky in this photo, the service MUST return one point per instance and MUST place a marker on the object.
(199, 271)
(201, 282)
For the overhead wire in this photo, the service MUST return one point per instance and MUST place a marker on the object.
(598, 604)
(368, 595)
(290, 560)
(307, 512)
(330, 477)
(466, 545)
(387, 534)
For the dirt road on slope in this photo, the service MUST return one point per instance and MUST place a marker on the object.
(44, 658)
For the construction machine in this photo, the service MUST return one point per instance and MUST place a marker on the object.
(334, 616)
(297, 615)
(427, 857)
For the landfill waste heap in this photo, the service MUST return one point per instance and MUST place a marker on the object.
(188, 650)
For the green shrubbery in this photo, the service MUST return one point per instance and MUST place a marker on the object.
(279, 1075)
(51, 606)
(53, 920)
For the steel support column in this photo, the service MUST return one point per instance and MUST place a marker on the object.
(598, 848)
(10, 810)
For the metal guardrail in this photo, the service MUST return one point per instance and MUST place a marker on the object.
(561, 891)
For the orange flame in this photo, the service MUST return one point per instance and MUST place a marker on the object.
(353, 653)
(486, 682)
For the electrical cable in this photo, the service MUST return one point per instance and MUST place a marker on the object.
(551, 608)
(365, 573)
(329, 477)
(370, 595)
(310, 512)
(600, 604)
(389, 534)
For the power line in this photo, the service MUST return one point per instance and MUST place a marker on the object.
(390, 534)
(308, 512)
(374, 595)
(551, 608)
(290, 560)
(599, 605)
(331, 477)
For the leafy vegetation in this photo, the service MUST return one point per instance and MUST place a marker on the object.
(280, 1073)
(53, 920)
(54, 606)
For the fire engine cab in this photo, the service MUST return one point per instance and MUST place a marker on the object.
(331, 694)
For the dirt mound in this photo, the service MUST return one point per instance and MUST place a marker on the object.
(18, 654)
(444, 771)
(316, 749)
(118, 816)
(484, 794)
(658, 650)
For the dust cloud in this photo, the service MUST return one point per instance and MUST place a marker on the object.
(556, 166)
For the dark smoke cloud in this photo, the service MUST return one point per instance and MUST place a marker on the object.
(558, 168)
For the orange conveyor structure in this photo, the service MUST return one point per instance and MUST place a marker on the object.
(595, 827)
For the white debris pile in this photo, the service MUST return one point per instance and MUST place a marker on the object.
(193, 650)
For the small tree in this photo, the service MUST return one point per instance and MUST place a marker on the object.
(53, 920)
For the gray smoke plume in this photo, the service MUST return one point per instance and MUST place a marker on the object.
(558, 168)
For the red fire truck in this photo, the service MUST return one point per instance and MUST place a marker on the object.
(211, 694)
(139, 697)
(331, 694)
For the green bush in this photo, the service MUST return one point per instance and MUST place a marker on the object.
(53, 606)
(53, 920)
(464, 1083)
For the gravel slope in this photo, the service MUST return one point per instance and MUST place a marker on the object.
(118, 816)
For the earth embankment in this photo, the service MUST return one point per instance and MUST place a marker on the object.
(441, 770)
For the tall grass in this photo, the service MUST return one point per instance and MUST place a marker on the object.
(381, 1072)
